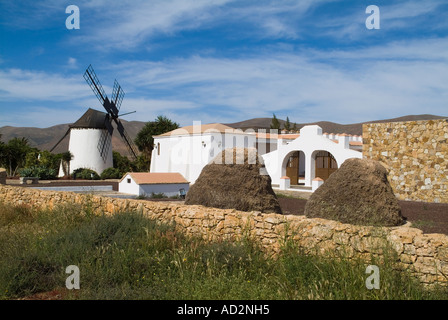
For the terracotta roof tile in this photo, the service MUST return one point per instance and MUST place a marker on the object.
(204, 128)
(291, 136)
(156, 177)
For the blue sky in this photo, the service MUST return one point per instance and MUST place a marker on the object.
(224, 60)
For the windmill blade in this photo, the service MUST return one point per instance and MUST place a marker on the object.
(105, 140)
(95, 85)
(68, 131)
(117, 95)
(108, 124)
(104, 144)
(129, 143)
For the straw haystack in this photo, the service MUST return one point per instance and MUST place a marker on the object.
(235, 179)
(357, 193)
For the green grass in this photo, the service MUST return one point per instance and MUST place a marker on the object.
(289, 195)
(128, 256)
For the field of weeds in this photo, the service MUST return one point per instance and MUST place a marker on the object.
(128, 256)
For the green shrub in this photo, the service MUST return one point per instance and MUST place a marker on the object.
(160, 195)
(42, 172)
(85, 174)
(111, 173)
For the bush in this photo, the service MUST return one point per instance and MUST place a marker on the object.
(42, 172)
(160, 195)
(111, 173)
(86, 174)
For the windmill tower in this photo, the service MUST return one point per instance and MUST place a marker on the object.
(91, 136)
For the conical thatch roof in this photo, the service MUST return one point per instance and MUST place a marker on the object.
(233, 181)
(91, 119)
(357, 193)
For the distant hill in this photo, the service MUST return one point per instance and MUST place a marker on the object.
(327, 126)
(46, 138)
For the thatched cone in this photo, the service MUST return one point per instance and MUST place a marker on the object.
(357, 193)
(233, 181)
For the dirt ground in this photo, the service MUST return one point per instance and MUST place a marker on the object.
(429, 217)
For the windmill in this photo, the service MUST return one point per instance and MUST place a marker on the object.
(91, 135)
(112, 107)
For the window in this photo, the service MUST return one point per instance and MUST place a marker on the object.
(158, 148)
(129, 180)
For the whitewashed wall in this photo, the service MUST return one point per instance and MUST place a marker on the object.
(125, 187)
(310, 142)
(189, 154)
(169, 189)
(84, 147)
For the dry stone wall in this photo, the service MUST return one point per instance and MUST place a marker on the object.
(425, 255)
(415, 153)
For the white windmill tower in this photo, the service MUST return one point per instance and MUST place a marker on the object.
(91, 136)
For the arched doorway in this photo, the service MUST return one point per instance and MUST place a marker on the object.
(325, 164)
(295, 167)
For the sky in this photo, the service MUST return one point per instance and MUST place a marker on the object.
(224, 60)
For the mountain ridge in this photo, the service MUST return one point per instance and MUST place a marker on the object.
(46, 138)
(328, 126)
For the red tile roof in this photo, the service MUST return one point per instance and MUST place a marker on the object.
(156, 177)
(200, 129)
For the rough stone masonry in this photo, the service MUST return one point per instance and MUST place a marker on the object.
(415, 153)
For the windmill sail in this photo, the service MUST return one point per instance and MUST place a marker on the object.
(112, 107)
(54, 147)
(104, 144)
(125, 136)
(94, 83)
(117, 95)
(106, 138)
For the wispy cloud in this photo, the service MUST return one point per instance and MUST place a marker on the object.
(37, 85)
(307, 86)
(406, 16)
(293, 58)
(129, 24)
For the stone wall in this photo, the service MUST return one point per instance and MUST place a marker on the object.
(415, 153)
(425, 255)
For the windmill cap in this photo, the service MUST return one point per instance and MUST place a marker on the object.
(91, 119)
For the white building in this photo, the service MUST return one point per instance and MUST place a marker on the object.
(189, 149)
(299, 157)
(311, 155)
(145, 184)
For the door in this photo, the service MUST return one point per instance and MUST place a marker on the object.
(325, 165)
(292, 168)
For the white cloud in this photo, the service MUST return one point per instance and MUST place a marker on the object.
(129, 24)
(396, 16)
(72, 62)
(306, 86)
(37, 85)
